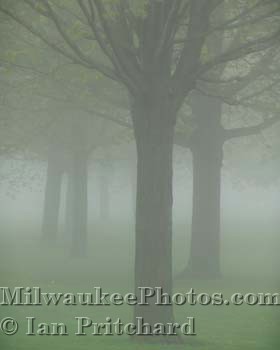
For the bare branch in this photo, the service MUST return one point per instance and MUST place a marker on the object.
(236, 84)
(169, 29)
(232, 21)
(91, 19)
(75, 48)
(271, 13)
(72, 57)
(127, 65)
(189, 60)
(250, 47)
(250, 130)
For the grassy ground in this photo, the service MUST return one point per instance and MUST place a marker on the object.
(250, 262)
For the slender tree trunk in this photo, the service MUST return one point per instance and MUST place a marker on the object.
(77, 204)
(52, 197)
(207, 152)
(104, 194)
(68, 209)
(154, 130)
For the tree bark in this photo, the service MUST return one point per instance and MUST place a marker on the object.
(52, 197)
(154, 132)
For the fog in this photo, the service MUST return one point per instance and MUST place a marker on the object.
(251, 207)
(241, 201)
(139, 153)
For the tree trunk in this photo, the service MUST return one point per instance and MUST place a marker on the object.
(104, 195)
(205, 240)
(52, 197)
(154, 131)
(207, 152)
(77, 204)
(68, 209)
(133, 190)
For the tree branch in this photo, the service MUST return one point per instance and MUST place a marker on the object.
(125, 60)
(189, 61)
(250, 130)
(73, 58)
(232, 22)
(250, 47)
(75, 48)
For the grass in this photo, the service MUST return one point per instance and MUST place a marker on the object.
(250, 261)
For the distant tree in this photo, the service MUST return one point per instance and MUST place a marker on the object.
(38, 79)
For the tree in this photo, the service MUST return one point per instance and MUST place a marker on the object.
(206, 144)
(104, 176)
(154, 49)
(59, 145)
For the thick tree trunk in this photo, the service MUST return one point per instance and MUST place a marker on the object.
(133, 190)
(77, 204)
(205, 240)
(207, 152)
(52, 197)
(154, 129)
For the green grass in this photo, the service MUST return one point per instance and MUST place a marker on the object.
(250, 262)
